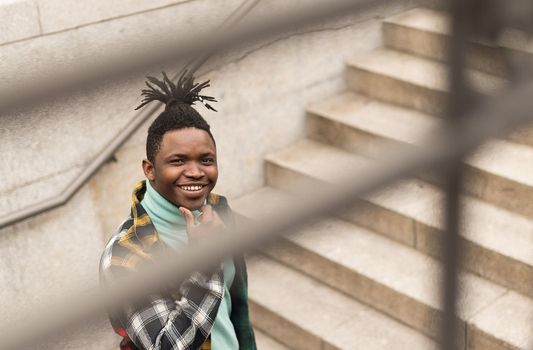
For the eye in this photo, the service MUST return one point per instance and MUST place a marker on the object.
(208, 160)
(177, 161)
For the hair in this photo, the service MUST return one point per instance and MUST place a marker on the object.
(178, 113)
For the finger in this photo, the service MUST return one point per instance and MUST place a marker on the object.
(207, 213)
(189, 218)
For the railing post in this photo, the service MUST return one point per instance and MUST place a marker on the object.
(453, 176)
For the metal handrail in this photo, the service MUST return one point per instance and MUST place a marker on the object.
(109, 150)
(451, 142)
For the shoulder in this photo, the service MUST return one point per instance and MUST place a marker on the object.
(111, 252)
(221, 206)
(218, 202)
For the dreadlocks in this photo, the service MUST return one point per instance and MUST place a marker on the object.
(178, 113)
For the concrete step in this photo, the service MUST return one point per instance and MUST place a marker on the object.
(395, 279)
(306, 314)
(424, 32)
(500, 172)
(410, 81)
(493, 327)
(411, 212)
(430, 30)
(266, 342)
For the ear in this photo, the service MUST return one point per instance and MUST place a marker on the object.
(148, 169)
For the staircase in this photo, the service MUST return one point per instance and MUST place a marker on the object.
(370, 278)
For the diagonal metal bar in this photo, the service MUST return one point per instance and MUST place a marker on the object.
(448, 144)
(242, 11)
(60, 83)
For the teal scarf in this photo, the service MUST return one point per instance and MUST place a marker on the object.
(168, 221)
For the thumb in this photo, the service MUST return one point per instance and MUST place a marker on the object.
(189, 218)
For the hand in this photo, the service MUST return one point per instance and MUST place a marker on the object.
(210, 222)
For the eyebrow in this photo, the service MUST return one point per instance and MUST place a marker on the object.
(207, 154)
(186, 156)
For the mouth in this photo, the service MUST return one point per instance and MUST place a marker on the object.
(192, 189)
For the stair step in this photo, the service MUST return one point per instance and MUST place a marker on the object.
(430, 30)
(424, 32)
(494, 327)
(500, 172)
(358, 123)
(411, 212)
(410, 81)
(264, 341)
(395, 279)
(306, 314)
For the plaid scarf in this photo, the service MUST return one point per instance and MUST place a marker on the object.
(175, 319)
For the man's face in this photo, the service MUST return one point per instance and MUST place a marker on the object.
(185, 169)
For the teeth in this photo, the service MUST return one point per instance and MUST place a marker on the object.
(191, 188)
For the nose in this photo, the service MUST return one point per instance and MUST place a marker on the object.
(193, 171)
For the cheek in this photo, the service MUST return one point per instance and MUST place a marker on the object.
(213, 174)
(170, 175)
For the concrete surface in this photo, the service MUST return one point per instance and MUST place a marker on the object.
(50, 255)
(390, 277)
(309, 315)
(500, 171)
(19, 19)
(266, 342)
(411, 212)
(494, 321)
(410, 81)
(360, 124)
(57, 15)
(429, 29)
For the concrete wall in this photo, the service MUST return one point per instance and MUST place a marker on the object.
(263, 90)
(23, 19)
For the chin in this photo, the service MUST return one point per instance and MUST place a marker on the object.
(193, 204)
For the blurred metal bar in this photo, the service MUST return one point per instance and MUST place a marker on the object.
(61, 83)
(244, 9)
(516, 14)
(448, 144)
(451, 247)
(112, 147)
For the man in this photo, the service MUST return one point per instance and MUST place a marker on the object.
(172, 208)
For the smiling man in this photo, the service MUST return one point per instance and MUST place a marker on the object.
(173, 207)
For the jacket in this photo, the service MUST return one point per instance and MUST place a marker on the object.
(182, 316)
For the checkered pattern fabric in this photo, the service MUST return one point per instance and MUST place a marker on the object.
(180, 318)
